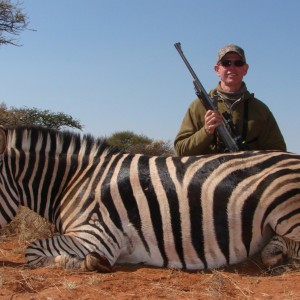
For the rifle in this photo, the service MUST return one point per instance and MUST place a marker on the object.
(231, 140)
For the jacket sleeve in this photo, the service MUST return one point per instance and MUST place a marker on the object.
(192, 138)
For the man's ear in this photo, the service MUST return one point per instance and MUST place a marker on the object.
(216, 68)
(246, 66)
(3, 140)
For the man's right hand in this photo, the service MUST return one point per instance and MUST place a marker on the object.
(212, 120)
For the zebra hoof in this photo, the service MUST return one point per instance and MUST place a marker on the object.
(275, 253)
(97, 262)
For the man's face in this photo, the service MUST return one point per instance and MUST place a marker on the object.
(230, 74)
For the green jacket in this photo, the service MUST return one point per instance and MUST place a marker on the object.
(263, 132)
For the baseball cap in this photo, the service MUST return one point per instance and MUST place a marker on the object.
(231, 48)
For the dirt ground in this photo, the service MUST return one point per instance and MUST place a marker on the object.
(249, 280)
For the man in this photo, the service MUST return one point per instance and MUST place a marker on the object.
(255, 122)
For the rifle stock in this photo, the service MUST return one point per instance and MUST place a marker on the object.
(232, 141)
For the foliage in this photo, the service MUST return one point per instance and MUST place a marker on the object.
(125, 139)
(12, 21)
(155, 148)
(33, 116)
(135, 143)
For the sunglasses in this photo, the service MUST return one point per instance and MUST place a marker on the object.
(227, 63)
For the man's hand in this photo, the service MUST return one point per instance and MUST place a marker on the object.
(212, 121)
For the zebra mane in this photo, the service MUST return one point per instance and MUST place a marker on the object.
(29, 138)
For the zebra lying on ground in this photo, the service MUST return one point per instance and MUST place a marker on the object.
(179, 212)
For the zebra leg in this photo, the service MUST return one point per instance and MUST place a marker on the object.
(66, 252)
(91, 262)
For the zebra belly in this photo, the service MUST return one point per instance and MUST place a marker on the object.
(186, 255)
(136, 253)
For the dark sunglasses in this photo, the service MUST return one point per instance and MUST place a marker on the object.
(228, 63)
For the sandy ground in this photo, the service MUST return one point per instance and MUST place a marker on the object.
(249, 280)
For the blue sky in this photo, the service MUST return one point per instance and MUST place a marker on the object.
(112, 64)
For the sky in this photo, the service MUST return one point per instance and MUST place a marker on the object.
(112, 64)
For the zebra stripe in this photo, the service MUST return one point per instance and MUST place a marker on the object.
(182, 212)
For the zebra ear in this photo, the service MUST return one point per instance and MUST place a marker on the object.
(2, 140)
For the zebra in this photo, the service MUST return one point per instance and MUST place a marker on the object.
(111, 207)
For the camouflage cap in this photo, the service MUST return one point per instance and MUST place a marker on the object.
(231, 48)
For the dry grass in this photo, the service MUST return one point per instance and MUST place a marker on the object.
(27, 226)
